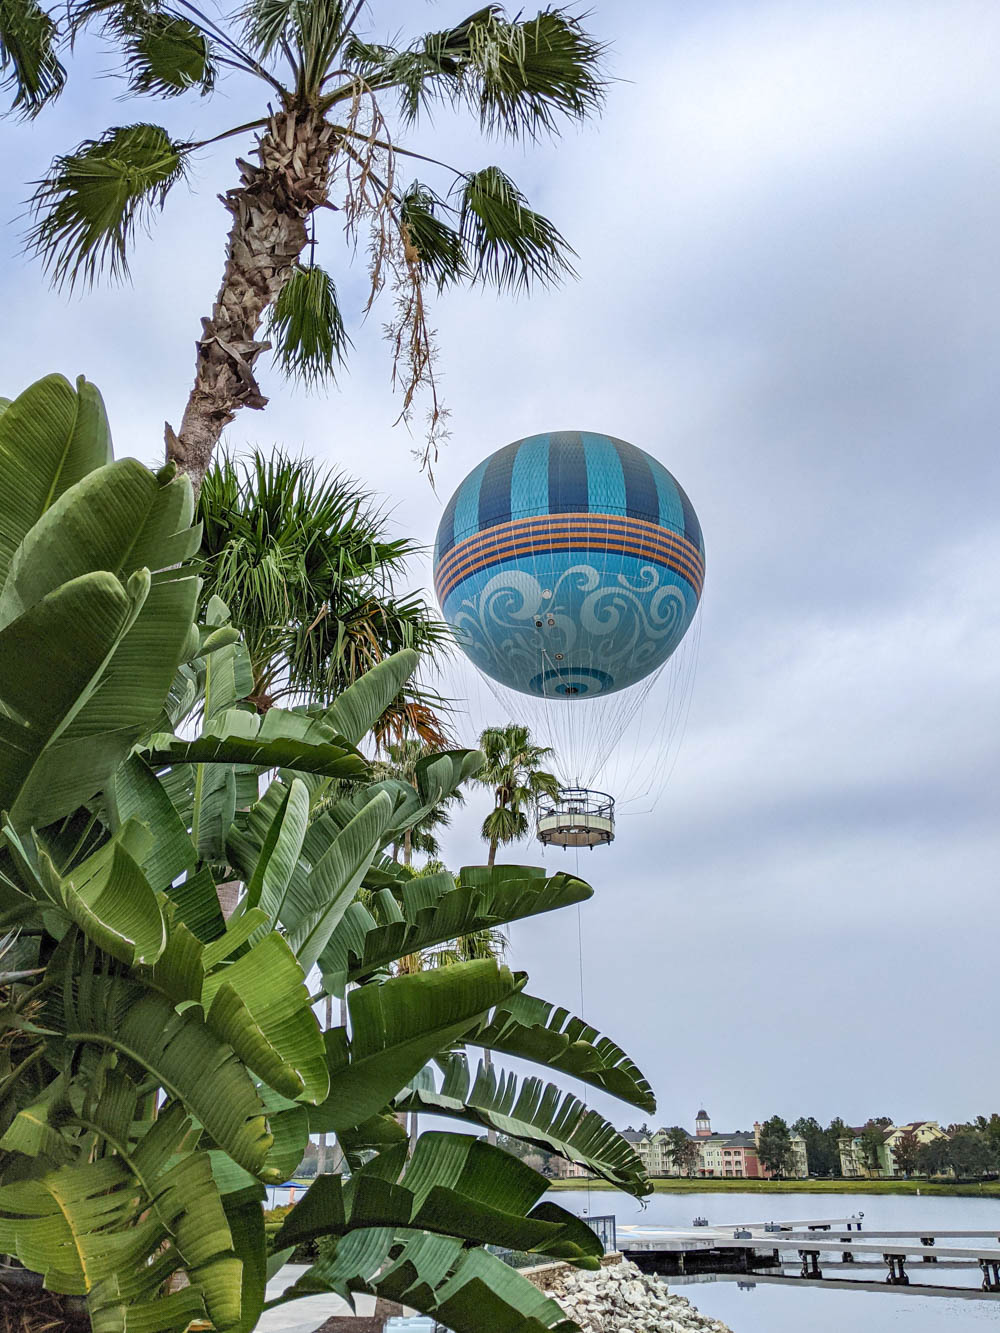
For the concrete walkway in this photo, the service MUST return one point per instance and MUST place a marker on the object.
(306, 1315)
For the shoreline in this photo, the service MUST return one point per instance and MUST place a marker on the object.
(749, 1185)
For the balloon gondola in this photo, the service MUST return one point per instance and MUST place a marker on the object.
(570, 566)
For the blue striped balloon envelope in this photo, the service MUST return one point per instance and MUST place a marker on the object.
(569, 565)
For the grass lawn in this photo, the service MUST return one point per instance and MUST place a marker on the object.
(743, 1185)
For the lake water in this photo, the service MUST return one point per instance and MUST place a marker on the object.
(767, 1308)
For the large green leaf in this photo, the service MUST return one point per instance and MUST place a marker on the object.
(51, 435)
(395, 1028)
(316, 901)
(466, 1290)
(455, 1185)
(354, 712)
(117, 1228)
(537, 1112)
(330, 760)
(431, 909)
(260, 1006)
(110, 899)
(179, 1050)
(533, 1029)
(79, 587)
(119, 518)
(138, 793)
(280, 851)
(73, 631)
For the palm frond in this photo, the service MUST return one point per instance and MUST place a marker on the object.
(89, 206)
(509, 245)
(518, 75)
(29, 66)
(164, 54)
(439, 247)
(265, 23)
(307, 327)
(529, 73)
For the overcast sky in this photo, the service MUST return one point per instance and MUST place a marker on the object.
(787, 227)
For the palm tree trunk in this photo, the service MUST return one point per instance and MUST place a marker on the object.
(493, 852)
(270, 209)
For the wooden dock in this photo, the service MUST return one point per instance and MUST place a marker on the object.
(750, 1247)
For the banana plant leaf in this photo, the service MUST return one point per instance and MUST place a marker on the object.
(330, 760)
(532, 1029)
(106, 894)
(51, 436)
(431, 909)
(454, 1185)
(396, 1028)
(74, 631)
(79, 596)
(465, 1290)
(539, 1113)
(185, 1056)
(117, 1228)
(354, 712)
(257, 1004)
(137, 793)
(119, 519)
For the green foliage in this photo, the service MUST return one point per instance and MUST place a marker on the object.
(89, 206)
(307, 328)
(29, 65)
(774, 1147)
(511, 246)
(161, 1064)
(513, 771)
(308, 569)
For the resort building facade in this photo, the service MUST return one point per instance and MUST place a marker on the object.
(712, 1153)
(858, 1154)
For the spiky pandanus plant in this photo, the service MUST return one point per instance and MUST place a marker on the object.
(338, 109)
(305, 561)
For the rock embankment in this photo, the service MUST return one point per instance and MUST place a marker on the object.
(622, 1299)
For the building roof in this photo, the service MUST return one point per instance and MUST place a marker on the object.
(633, 1136)
(702, 1115)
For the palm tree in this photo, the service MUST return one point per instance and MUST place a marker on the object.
(335, 108)
(514, 773)
(399, 759)
(307, 567)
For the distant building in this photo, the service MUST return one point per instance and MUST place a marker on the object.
(563, 1170)
(718, 1154)
(854, 1160)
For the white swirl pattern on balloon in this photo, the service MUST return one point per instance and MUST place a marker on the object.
(599, 630)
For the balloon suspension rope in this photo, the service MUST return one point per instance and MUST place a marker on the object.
(579, 947)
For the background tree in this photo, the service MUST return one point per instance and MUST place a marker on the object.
(933, 1158)
(836, 1132)
(822, 1148)
(683, 1154)
(872, 1147)
(969, 1153)
(335, 108)
(774, 1146)
(513, 772)
(906, 1152)
(990, 1128)
(305, 562)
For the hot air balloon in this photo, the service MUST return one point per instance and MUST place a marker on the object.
(570, 566)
